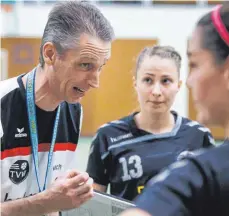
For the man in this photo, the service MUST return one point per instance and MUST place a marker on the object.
(41, 117)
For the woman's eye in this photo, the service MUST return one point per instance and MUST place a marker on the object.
(166, 81)
(148, 80)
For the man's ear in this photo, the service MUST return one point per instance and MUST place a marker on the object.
(49, 53)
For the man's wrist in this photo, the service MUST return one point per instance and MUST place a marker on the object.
(35, 205)
(40, 203)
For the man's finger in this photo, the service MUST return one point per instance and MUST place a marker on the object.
(72, 173)
(78, 180)
(90, 181)
(83, 189)
(86, 196)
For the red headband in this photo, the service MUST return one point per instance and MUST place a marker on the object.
(219, 25)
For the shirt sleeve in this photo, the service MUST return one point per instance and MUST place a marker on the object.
(1, 130)
(98, 167)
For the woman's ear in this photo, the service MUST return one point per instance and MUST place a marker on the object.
(179, 84)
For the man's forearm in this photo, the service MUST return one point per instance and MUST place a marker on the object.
(35, 205)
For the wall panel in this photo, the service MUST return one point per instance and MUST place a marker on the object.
(23, 54)
(115, 97)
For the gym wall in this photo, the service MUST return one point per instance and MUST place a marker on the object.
(115, 97)
(161, 25)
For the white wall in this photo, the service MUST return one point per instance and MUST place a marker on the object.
(171, 26)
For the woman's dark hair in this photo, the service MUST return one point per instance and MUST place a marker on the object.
(211, 39)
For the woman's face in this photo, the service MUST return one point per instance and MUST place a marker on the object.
(208, 82)
(157, 83)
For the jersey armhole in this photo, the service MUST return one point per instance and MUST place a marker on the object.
(1, 130)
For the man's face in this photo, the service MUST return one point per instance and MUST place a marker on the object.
(72, 74)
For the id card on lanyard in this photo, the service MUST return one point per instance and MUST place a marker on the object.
(31, 110)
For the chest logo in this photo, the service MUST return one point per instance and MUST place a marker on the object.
(19, 171)
(20, 133)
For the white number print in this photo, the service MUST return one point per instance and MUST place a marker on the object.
(132, 173)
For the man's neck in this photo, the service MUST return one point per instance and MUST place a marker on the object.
(158, 123)
(44, 98)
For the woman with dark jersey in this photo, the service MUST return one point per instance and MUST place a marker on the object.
(199, 185)
(127, 152)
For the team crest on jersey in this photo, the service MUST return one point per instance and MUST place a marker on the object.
(19, 171)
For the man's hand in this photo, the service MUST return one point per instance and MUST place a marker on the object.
(69, 191)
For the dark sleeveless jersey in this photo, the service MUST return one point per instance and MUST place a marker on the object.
(126, 157)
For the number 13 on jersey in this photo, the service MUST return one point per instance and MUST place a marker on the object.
(133, 173)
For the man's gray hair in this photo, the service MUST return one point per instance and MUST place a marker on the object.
(70, 19)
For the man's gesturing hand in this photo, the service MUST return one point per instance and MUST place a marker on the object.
(69, 191)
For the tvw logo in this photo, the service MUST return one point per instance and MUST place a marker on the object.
(20, 133)
(19, 171)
